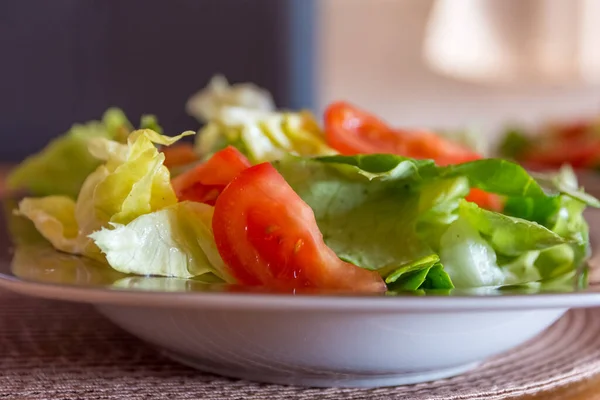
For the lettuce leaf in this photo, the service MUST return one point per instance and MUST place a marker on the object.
(424, 273)
(176, 241)
(131, 183)
(388, 213)
(369, 223)
(54, 218)
(262, 136)
(206, 105)
(514, 144)
(62, 166)
(475, 248)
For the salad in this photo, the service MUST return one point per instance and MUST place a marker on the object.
(576, 143)
(279, 199)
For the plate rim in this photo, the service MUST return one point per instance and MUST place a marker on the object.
(289, 302)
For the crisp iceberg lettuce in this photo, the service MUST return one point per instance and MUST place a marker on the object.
(64, 164)
(206, 104)
(262, 136)
(131, 183)
(176, 241)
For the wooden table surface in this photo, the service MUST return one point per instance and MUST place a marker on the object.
(582, 390)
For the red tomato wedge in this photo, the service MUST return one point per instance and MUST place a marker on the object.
(583, 153)
(268, 236)
(351, 130)
(206, 181)
(179, 154)
(573, 130)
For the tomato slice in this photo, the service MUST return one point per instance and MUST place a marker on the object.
(206, 181)
(583, 153)
(268, 236)
(351, 130)
(179, 154)
(573, 130)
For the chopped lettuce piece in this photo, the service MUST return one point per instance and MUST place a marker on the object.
(561, 212)
(176, 241)
(474, 246)
(149, 121)
(496, 176)
(62, 166)
(206, 105)
(468, 258)
(509, 236)
(139, 185)
(262, 136)
(369, 223)
(424, 273)
(514, 143)
(565, 182)
(133, 182)
(54, 218)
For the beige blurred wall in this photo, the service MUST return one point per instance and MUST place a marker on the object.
(370, 54)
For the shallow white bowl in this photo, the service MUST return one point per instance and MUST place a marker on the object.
(321, 340)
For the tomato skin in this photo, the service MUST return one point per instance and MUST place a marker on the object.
(268, 236)
(179, 154)
(206, 181)
(351, 131)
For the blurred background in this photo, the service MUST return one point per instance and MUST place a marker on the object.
(477, 63)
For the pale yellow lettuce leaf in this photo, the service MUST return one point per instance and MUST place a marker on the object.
(263, 136)
(133, 182)
(207, 103)
(176, 241)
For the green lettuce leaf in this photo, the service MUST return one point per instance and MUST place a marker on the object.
(132, 182)
(149, 121)
(561, 212)
(514, 144)
(176, 241)
(475, 249)
(206, 105)
(62, 166)
(387, 213)
(367, 222)
(262, 136)
(425, 273)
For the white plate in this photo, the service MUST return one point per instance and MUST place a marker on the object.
(313, 339)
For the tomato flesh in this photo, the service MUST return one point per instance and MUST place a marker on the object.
(268, 236)
(351, 131)
(206, 181)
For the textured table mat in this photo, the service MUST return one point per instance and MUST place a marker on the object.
(55, 350)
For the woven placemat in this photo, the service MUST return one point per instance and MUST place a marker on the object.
(56, 350)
